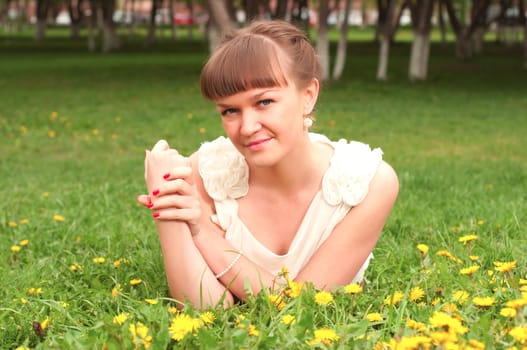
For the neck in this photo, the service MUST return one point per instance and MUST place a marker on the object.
(298, 171)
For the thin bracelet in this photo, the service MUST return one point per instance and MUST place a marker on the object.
(231, 265)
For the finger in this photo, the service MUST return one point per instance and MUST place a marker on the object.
(187, 214)
(160, 145)
(179, 172)
(144, 199)
(175, 202)
(177, 186)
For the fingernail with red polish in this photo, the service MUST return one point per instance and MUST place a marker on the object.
(155, 193)
(155, 215)
(150, 205)
(166, 176)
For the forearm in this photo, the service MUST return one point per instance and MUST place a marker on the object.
(219, 254)
(188, 275)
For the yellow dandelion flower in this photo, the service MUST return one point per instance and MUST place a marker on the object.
(450, 308)
(182, 325)
(64, 304)
(12, 224)
(480, 222)
(34, 291)
(24, 242)
(152, 301)
(374, 317)
(95, 132)
(288, 320)
(442, 320)
(99, 260)
(294, 289)
(460, 296)
(114, 136)
(504, 266)
(134, 282)
(253, 331)
(475, 345)
(394, 299)
(483, 301)
(523, 289)
(189, 115)
(473, 258)
(519, 334)
(435, 301)
(469, 270)
(207, 317)
(116, 290)
(418, 326)
(75, 268)
(332, 122)
(172, 310)
(202, 130)
(117, 119)
(416, 293)
(415, 342)
(353, 288)
(52, 134)
(44, 324)
(278, 301)
(15, 248)
(508, 312)
(23, 129)
(325, 336)
(467, 238)
(423, 248)
(517, 303)
(120, 319)
(140, 335)
(116, 263)
(23, 221)
(23, 300)
(45, 194)
(448, 255)
(22, 348)
(53, 116)
(323, 298)
(58, 218)
(522, 282)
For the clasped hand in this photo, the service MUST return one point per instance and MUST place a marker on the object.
(171, 192)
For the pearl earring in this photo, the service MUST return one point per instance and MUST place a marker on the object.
(308, 122)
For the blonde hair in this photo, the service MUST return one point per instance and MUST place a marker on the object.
(264, 54)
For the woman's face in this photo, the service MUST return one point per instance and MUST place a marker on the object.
(265, 124)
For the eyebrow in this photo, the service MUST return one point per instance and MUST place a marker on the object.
(254, 97)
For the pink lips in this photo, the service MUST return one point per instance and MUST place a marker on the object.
(258, 144)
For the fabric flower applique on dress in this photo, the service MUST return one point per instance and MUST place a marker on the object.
(352, 167)
(223, 170)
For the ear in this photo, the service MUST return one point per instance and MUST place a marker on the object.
(311, 95)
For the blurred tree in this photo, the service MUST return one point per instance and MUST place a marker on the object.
(422, 12)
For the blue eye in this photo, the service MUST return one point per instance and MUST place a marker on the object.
(228, 112)
(265, 102)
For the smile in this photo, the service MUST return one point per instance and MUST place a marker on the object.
(258, 144)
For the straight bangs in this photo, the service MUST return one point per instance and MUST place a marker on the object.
(248, 62)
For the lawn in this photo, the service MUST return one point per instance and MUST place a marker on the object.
(81, 265)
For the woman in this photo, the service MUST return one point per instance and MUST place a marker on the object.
(271, 195)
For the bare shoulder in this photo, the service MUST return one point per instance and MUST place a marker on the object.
(385, 182)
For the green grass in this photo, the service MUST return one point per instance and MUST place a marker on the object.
(74, 126)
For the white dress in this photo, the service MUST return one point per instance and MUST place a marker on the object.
(345, 184)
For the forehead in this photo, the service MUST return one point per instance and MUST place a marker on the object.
(247, 62)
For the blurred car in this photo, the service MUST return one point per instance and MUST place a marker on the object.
(184, 19)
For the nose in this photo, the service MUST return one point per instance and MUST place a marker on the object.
(250, 123)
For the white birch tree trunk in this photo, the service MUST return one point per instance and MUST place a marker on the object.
(219, 22)
(40, 29)
(340, 59)
(420, 53)
(322, 46)
(384, 52)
